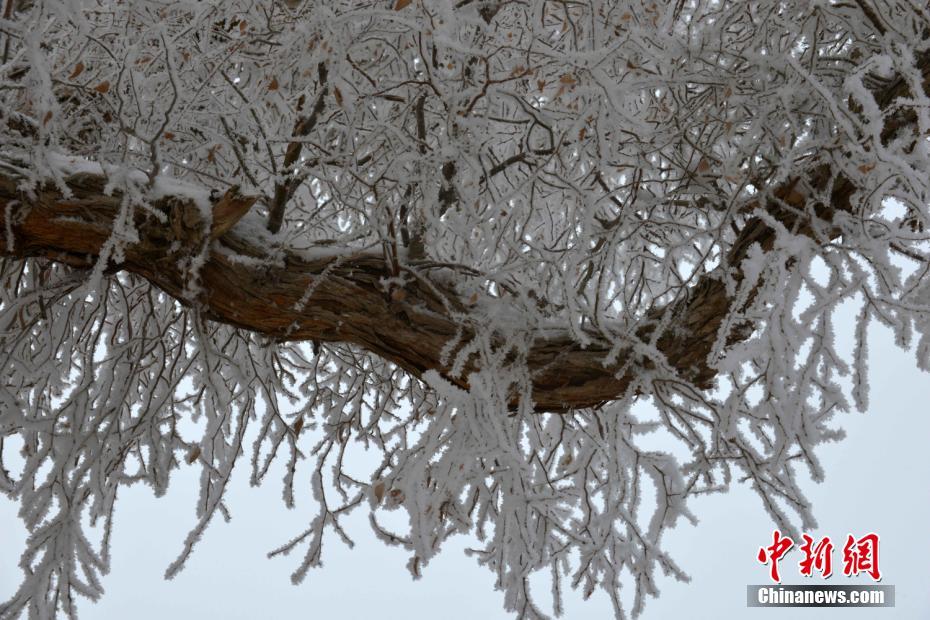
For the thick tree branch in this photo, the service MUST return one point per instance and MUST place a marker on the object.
(284, 189)
(343, 300)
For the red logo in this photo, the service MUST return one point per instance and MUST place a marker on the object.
(774, 552)
(859, 556)
(817, 557)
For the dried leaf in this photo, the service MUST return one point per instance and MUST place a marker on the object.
(193, 455)
(413, 565)
(401, 4)
(47, 117)
(866, 168)
(338, 95)
(228, 210)
(398, 294)
(169, 135)
(103, 87)
(379, 491)
(298, 425)
(78, 70)
(273, 84)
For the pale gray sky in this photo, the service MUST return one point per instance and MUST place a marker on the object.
(876, 481)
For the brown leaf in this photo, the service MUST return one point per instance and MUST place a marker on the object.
(273, 84)
(78, 70)
(914, 224)
(298, 425)
(228, 210)
(398, 294)
(338, 95)
(379, 491)
(401, 4)
(473, 299)
(414, 566)
(541, 84)
(192, 455)
(103, 87)
(168, 135)
(866, 168)
(703, 165)
(47, 117)
(243, 26)
(567, 79)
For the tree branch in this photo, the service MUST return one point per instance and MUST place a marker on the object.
(348, 303)
(284, 188)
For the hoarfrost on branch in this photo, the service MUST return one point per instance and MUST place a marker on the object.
(467, 236)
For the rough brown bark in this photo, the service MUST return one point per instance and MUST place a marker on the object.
(349, 303)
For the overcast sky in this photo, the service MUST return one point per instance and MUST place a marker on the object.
(876, 481)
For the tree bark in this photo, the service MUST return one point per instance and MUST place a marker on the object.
(348, 303)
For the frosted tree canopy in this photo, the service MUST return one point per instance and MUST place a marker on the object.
(465, 236)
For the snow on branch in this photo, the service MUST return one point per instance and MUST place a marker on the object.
(470, 238)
